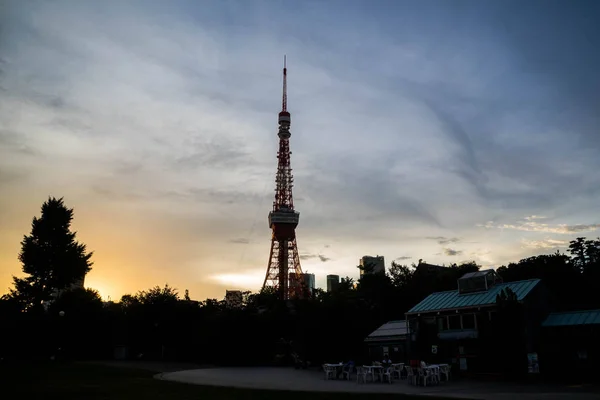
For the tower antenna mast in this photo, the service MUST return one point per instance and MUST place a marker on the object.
(284, 99)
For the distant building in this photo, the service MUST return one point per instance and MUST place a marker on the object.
(333, 281)
(373, 265)
(233, 298)
(430, 268)
(309, 282)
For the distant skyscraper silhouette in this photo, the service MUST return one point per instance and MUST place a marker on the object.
(333, 281)
(309, 282)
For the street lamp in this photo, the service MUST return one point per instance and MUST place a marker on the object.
(61, 332)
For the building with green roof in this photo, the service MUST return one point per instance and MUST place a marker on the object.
(570, 343)
(455, 300)
(460, 326)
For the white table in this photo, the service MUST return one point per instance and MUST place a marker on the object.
(331, 368)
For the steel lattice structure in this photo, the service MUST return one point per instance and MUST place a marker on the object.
(283, 271)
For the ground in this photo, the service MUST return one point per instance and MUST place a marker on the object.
(107, 382)
(153, 381)
(312, 381)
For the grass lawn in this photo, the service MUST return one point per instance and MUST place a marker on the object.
(89, 381)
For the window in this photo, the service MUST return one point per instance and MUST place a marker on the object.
(454, 322)
(442, 324)
(468, 321)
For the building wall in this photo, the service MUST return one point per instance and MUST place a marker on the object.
(309, 281)
(233, 298)
(395, 349)
(377, 262)
(333, 281)
(536, 310)
(462, 340)
(570, 351)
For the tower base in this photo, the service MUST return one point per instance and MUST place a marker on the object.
(284, 272)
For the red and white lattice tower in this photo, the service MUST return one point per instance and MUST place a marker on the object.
(284, 272)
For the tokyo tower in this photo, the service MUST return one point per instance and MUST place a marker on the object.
(283, 271)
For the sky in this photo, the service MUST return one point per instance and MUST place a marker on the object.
(446, 131)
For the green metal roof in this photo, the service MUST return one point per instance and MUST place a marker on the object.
(440, 301)
(587, 317)
(389, 330)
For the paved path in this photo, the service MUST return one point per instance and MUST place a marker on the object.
(153, 366)
(303, 380)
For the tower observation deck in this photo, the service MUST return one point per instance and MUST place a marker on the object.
(284, 259)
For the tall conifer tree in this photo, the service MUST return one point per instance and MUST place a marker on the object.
(50, 255)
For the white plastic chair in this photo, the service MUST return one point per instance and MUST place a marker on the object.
(434, 374)
(361, 374)
(410, 375)
(388, 375)
(329, 371)
(346, 373)
(398, 370)
(370, 371)
(445, 370)
(424, 376)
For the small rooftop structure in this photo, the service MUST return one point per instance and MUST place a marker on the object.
(478, 281)
(452, 300)
(573, 318)
(392, 330)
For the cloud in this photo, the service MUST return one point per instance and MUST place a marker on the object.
(534, 217)
(544, 244)
(452, 252)
(444, 240)
(321, 257)
(240, 241)
(528, 225)
(402, 258)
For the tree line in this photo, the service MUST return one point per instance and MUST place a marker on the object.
(45, 311)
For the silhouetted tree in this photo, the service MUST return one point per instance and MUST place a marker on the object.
(570, 280)
(401, 275)
(78, 302)
(346, 284)
(78, 324)
(509, 332)
(158, 324)
(585, 254)
(51, 256)
(367, 268)
(158, 295)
